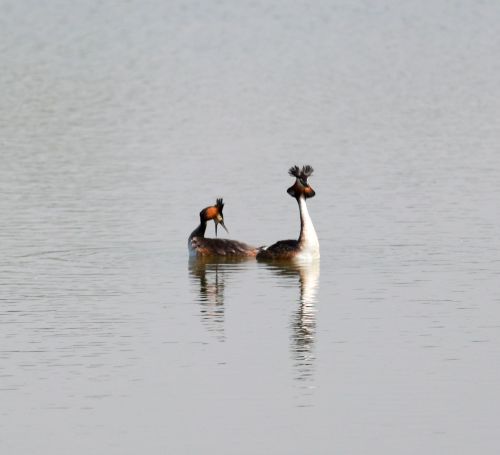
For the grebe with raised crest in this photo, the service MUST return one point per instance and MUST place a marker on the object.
(198, 245)
(307, 246)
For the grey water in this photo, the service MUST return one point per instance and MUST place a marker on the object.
(120, 121)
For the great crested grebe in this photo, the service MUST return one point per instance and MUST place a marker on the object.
(198, 245)
(307, 246)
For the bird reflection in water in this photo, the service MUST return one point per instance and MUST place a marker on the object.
(211, 273)
(303, 322)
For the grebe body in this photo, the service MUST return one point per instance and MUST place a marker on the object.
(198, 245)
(306, 248)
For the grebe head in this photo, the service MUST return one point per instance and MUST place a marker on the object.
(301, 187)
(214, 212)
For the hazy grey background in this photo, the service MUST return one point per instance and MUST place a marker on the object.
(119, 121)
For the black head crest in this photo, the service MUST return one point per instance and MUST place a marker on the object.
(306, 171)
(303, 173)
(219, 204)
(294, 171)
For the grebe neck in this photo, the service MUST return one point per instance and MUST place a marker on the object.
(200, 230)
(308, 239)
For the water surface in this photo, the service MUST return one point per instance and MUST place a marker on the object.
(121, 121)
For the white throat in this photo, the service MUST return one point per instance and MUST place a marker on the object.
(308, 240)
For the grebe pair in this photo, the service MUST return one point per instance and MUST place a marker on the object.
(305, 248)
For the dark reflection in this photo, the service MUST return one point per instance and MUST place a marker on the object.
(211, 274)
(303, 322)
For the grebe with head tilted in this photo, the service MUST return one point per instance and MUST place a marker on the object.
(307, 246)
(198, 245)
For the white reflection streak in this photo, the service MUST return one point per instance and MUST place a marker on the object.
(304, 321)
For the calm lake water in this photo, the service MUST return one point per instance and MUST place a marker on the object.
(120, 121)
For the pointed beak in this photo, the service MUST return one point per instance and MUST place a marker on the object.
(223, 225)
(221, 222)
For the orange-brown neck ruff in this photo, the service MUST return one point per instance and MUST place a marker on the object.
(309, 192)
(298, 189)
(211, 213)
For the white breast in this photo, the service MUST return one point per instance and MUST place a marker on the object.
(309, 243)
